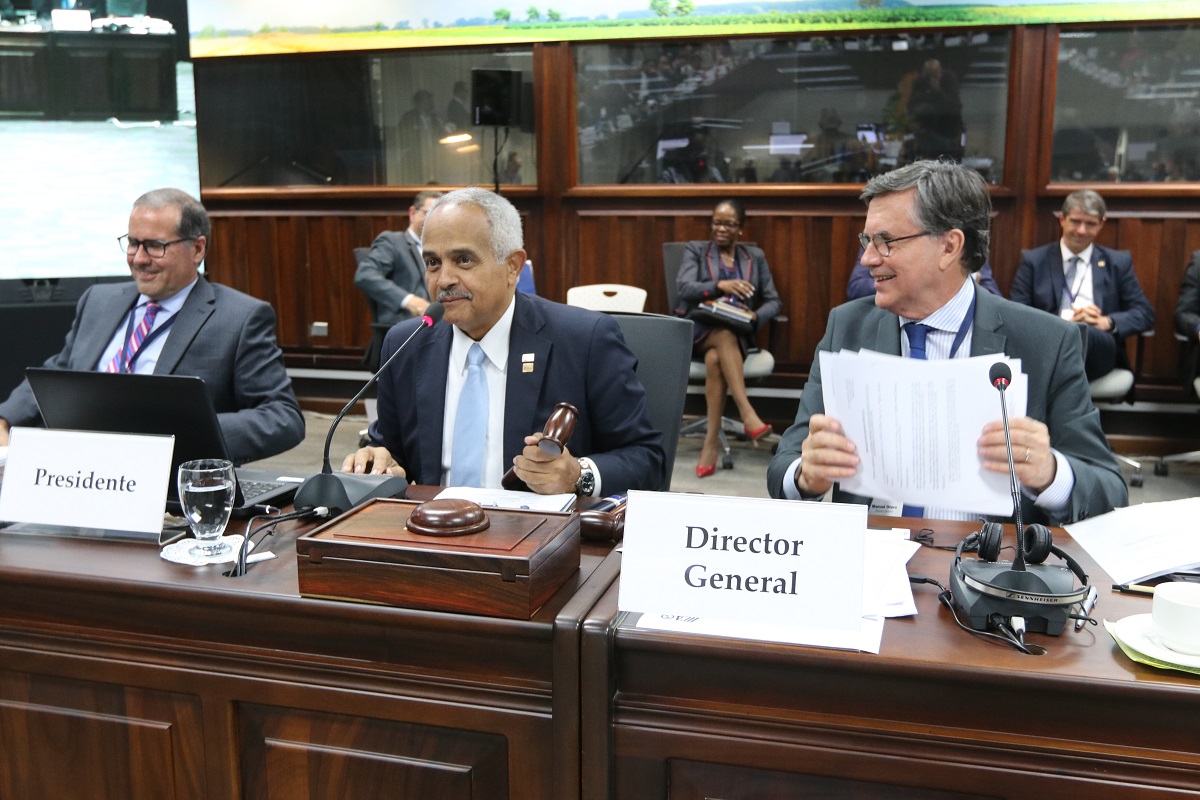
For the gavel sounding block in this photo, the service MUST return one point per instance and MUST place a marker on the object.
(509, 569)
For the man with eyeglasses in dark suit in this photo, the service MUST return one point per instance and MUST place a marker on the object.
(171, 321)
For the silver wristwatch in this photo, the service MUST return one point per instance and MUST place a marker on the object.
(586, 485)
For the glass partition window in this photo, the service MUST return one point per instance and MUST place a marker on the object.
(813, 110)
(1127, 106)
(404, 119)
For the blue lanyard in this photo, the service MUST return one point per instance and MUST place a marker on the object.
(150, 337)
(968, 320)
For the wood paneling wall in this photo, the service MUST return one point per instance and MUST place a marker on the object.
(293, 247)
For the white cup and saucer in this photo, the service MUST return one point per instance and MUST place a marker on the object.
(1171, 632)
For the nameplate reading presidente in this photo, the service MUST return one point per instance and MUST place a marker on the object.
(86, 480)
(734, 558)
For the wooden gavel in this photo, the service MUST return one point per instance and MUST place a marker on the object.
(558, 431)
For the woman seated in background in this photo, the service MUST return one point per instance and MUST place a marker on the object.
(722, 269)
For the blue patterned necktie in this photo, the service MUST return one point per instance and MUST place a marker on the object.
(916, 334)
(470, 424)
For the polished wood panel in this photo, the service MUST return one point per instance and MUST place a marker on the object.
(289, 755)
(937, 711)
(77, 739)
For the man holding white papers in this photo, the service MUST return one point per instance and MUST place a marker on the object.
(927, 230)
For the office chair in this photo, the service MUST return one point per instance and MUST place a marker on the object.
(607, 297)
(758, 364)
(663, 346)
(1117, 386)
(1191, 382)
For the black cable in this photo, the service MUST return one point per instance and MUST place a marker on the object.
(240, 567)
(947, 600)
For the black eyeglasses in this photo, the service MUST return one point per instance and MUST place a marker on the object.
(883, 244)
(154, 248)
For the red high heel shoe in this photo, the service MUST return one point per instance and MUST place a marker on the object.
(757, 433)
(703, 471)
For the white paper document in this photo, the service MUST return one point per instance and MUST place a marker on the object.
(502, 498)
(1144, 541)
(916, 425)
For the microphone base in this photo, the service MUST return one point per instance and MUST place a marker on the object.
(342, 491)
(975, 607)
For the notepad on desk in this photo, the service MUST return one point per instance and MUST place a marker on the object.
(516, 501)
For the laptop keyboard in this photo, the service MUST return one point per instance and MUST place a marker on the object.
(252, 490)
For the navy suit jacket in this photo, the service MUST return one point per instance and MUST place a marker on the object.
(1051, 356)
(392, 270)
(1187, 310)
(579, 357)
(1040, 282)
(221, 335)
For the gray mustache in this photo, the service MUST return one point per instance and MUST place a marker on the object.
(446, 294)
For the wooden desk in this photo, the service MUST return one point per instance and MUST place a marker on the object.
(939, 713)
(125, 676)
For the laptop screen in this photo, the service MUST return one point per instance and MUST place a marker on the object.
(175, 405)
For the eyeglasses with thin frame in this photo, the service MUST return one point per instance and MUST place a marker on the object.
(154, 248)
(883, 245)
(723, 223)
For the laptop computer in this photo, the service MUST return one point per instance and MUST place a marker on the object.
(176, 405)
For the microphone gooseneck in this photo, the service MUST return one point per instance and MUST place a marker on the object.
(1001, 376)
(342, 491)
(432, 315)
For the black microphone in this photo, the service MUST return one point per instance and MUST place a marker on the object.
(1001, 376)
(342, 491)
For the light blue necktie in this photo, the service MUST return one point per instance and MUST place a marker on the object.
(470, 424)
(916, 334)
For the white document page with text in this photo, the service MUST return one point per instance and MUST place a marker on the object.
(916, 426)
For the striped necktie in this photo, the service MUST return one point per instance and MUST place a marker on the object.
(120, 362)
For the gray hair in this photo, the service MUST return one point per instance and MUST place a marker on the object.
(504, 222)
(949, 196)
(1087, 201)
(193, 218)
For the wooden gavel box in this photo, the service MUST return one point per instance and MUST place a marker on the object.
(510, 569)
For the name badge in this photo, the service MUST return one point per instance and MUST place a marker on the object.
(86, 480)
(886, 508)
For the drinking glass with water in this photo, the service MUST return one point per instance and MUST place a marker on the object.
(206, 490)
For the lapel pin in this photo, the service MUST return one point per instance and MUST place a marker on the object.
(1101, 264)
(527, 362)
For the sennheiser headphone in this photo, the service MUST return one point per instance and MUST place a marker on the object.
(1036, 545)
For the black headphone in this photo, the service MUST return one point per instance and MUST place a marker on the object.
(1036, 545)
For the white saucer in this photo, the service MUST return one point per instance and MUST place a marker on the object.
(1137, 632)
(177, 552)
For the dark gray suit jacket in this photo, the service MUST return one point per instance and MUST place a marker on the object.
(1049, 349)
(1187, 310)
(579, 357)
(392, 270)
(221, 335)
